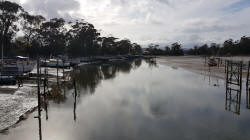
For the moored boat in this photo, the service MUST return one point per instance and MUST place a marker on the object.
(212, 62)
(55, 63)
(7, 80)
(16, 66)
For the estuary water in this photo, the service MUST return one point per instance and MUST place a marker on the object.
(137, 100)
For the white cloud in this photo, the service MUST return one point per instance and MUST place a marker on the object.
(157, 21)
(52, 8)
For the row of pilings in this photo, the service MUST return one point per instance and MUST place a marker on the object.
(236, 74)
(43, 92)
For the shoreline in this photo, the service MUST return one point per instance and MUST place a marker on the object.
(197, 64)
(17, 103)
(191, 63)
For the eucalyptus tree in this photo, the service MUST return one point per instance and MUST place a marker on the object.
(176, 49)
(52, 34)
(136, 48)
(153, 49)
(109, 45)
(167, 50)
(31, 25)
(244, 45)
(84, 39)
(124, 46)
(9, 15)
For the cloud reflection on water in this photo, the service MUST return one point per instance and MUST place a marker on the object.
(135, 101)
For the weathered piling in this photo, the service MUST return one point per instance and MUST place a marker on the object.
(57, 67)
(63, 72)
(247, 87)
(75, 96)
(45, 85)
(248, 98)
(38, 97)
(38, 86)
(234, 73)
(233, 85)
(248, 75)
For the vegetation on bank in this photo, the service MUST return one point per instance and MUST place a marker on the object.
(228, 48)
(54, 36)
(174, 50)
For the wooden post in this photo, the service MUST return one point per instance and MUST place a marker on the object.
(226, 68)
(241, 65)
(248, 98)
(38, 97)
(248, 74)
(38, 85)
(74, 83)
(63, 71)
(45, 84)
(40, 128)
(231, 70)
(234, 77)
(57, 70)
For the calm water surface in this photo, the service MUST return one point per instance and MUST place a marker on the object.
(137, 100)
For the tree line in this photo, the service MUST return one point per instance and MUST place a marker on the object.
(24, 34)
(228, 48)
(174, 50)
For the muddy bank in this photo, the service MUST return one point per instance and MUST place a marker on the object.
(197, 64)
(16, 102)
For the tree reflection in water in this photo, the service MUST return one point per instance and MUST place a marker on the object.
(88, 78)
(85, 81)
(151, 63)
(91, 76)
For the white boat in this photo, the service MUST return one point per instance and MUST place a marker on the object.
(24, 64)
(55, 63)
(18, 65)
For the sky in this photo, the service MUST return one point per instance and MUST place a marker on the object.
(189, 22)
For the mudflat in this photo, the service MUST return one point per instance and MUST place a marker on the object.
(198, 64)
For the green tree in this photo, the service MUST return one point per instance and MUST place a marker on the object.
(52, 36)
(124, 46)
(10, 13)
(176, 49)
(85, 39)
(136, 48)
(167, 50)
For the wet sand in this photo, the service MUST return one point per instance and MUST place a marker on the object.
(197, 64)
(16, 102)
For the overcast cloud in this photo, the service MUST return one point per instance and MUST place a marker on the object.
(155, 21)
